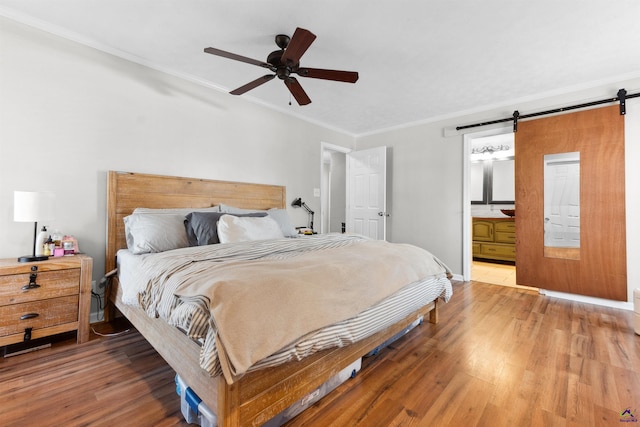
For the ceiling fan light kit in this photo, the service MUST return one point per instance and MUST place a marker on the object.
(285, 62)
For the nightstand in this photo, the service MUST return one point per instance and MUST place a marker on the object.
(43, 298)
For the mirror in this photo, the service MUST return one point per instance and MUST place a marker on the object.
(502, 190)
(477, 172)
(562, 205)
(493, 182)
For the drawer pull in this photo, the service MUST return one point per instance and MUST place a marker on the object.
(27, 334)
(29, 316)
(32, 283)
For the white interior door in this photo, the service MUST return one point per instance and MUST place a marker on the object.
(367, 192)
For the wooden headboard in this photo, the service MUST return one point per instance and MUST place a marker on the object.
(127, 191)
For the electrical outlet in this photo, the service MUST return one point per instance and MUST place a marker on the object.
(93, 284)
(316, 192)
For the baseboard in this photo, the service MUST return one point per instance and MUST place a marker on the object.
(458, 277)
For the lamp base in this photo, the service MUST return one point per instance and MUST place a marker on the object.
(32, 258)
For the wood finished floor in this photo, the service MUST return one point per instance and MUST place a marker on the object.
(500, 356)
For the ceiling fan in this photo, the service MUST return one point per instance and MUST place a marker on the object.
(285, 62)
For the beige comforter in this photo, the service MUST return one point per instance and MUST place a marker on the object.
(259, 306)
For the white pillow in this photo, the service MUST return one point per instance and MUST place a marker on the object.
(232, 229)
(147, 232)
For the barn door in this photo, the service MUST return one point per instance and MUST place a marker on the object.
(570, 204)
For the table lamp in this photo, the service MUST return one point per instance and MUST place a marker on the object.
(297, 203)
(33, 206)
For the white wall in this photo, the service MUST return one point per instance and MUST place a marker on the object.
(69, 113)
(426, 166)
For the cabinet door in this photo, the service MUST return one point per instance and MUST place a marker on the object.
(483, 231)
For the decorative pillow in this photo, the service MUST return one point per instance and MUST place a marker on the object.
(202, 227)
(146, 232)
(281, 216)
(232, 229)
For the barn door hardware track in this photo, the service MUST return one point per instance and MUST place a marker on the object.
(621, 97)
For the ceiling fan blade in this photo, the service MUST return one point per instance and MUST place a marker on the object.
(337, 75)
(252, 85)
(298, 45)
(296, 90)
(225, 54)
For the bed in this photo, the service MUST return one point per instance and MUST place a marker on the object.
(251, 396)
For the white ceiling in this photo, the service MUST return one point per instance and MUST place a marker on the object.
(418, 60)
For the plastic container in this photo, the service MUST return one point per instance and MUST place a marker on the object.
(192, 408)
(311, 398)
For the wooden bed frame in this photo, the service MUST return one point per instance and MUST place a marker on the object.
(258, 396)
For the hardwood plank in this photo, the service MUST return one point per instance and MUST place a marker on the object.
(488, 362)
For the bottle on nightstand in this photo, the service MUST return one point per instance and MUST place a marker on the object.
(42, 237)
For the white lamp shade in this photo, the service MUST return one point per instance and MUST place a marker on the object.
(32, 206)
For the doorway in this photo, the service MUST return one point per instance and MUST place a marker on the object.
(353, 191)
(489, 233)
(333, 185)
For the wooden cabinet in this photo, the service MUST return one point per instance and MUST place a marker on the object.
(494, 238)
(43, 298)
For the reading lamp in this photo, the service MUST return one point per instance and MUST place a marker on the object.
(297, 203)
(32, 206)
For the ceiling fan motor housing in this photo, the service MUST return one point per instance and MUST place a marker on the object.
(282, 70)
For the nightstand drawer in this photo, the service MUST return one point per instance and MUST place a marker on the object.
(18, 288)
(14, 319)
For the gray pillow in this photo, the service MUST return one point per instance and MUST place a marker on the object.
(282, 218)
(202, 227)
